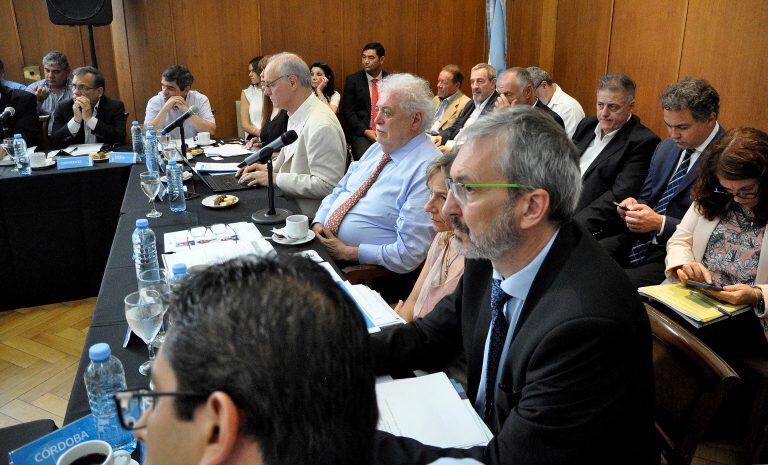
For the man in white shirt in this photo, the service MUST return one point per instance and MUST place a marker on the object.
(174, 99)
(555, 98)
(309, 168)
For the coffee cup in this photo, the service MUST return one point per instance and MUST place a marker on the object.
(94, 453)
(37, 159)
(296, 226)
(203, 138)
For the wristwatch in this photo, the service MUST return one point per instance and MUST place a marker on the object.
(759, 306)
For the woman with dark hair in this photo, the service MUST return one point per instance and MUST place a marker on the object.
(324, 85)
(252, 101)
(274, 121)
(721, 239)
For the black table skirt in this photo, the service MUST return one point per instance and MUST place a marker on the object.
(108, 324)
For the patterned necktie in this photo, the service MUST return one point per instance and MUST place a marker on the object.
(334, 221)
(499, 328)
(639, 251)
(374, 101)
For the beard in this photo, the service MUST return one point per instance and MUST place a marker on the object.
(503, 235)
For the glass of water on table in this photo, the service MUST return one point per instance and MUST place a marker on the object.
(158, 280)
(144, 312)
(150, 184)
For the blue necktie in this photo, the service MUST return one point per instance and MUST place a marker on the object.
(640, 250)
(499, 328)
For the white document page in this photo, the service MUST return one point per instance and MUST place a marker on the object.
(204, 167)
(83, 149)
(227, 150)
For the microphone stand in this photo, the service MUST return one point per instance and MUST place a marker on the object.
(270, 215)
(183, 141)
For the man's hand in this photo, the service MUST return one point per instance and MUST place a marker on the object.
(41, 93)
(694, 270)
(628, 203)
(336, 249)
(78, 112)
(641, 218)
(738, 294)
(502, 102)
(176, 102)
(85, 107)
(253, 142)
(253, 175)
(438, 140)
(445, 149)
(370, 134)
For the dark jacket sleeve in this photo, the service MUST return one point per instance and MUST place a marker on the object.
(453, 130)
(110, 129)
(26, 121)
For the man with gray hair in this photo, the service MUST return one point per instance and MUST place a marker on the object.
(54, 88)
(690, 110)
(89, 116)
(557, 341)
(515, 87)
(375, 215)
(615, 152)
(555, 98)
(309, 168)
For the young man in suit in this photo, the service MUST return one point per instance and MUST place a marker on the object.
(557, 342)
(515, 87)
(361, 92)
(615, 152)
(690, 109)
(449, 101)
(89, 116)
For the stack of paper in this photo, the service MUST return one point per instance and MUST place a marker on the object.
(205, 167)
(227, 150)
(239, 239)
(428, 409)
(373, 305)
(696, 307)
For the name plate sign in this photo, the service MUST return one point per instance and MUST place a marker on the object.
(46, 450)
(65, 163)
(122, 157)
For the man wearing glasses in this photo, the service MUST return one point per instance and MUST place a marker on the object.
(690, 114)
(267, 361)
(174, 99)
(89, 116)
(556, 339)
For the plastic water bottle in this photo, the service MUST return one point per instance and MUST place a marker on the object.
(179, 274)
(137, 139)
(103, 378)
(150, 151)
(144, 247)
(175, 187)
(20, 155)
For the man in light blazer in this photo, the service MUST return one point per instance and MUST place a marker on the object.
(690, 110)
(450, 100)
(616, 150)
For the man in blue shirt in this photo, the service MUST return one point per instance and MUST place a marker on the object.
(557, 342)
(7, 83)
(375, 215)
(55, 88)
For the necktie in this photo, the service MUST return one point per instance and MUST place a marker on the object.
(334, 221)
(499, 328)
(640, 250)
(374, 101)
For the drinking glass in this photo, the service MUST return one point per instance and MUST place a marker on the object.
(144, 313)
(8, 147)
(150, 184)
(158, 280)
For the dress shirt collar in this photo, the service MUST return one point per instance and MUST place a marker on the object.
(481, 107)
(371, 78)
(711, 136)
(518, 284)
(610, 135)
(302, 113)
(401, 153)
(450, 98)
(557, 96)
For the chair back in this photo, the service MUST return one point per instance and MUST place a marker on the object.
(44, 143)
(239, 119)
(691, 382)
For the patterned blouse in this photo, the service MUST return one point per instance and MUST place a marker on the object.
(733, 250)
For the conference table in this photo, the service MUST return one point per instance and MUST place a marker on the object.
(108, 323)
(53, 221)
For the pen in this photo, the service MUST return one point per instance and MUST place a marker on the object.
(705, 299)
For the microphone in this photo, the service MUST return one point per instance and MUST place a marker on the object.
(286, 139)
(193, 110)
(7, 113)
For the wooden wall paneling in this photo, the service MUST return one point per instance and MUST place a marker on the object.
(443, 38)
(391, 22)
(646, 43)
(726, 44)
(310, 29)
(217, 52)
(13, 60)
(531, 30)
(581, 47)
(123, 85)
(150, 48)
(38, 36)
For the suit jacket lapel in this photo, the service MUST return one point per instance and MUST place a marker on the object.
(482, 326)
(616, 144)
(590, 136)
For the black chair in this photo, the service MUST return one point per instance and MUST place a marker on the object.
(13, 437)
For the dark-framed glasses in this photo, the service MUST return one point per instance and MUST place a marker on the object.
(740, 194)
(273, 83)
(132, 405)
(81, 88)
(461, 190)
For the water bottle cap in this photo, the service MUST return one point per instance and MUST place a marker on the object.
(135, 123)
(179, 269)
(99, 352)
(142, 223)
(17, 136)
(171, 162)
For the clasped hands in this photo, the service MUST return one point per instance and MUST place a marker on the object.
(82, 109)
(335, 247)
(177, 102)
(738, 294)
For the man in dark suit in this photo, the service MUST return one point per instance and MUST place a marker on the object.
(89, 116)
(24, 120)
(358, 104)
(615, 152)
(482, 81)
(690, 114)
(515, 87)
(556, 339)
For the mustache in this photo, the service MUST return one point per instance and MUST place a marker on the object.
(457, 224)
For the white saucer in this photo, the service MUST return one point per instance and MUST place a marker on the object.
(200, 144)
(285, 241)
(48, 163)
(208, 201)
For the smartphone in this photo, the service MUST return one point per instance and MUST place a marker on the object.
(621, 206)
(703, 285)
